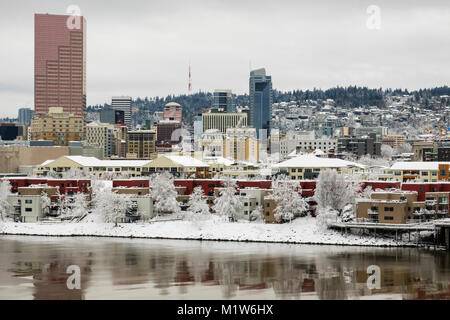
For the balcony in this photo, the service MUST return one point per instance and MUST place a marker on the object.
(430, 202)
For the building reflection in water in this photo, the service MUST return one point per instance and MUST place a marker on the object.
(179, 269)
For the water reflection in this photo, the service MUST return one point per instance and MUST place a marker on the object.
(35, 268)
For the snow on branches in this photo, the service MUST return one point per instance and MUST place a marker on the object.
(228, 203)
(197, 202)
(287, 195)
(334, 191)
(164, 193)
(5, 191)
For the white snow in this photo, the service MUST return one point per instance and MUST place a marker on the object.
(311, 161)
(187, 161)
(417, 165)
(94, 162)
(301, 231)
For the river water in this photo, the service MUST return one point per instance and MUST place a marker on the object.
(36, 268)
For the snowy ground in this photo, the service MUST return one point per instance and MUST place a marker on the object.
(302, 230)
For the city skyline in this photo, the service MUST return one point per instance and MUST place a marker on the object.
(302, 47)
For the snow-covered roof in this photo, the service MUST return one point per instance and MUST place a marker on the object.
(417, 165)
(187, 161)
(94, 162)
(219, 160)
(46, 162)
(318, 152)
(311, 161)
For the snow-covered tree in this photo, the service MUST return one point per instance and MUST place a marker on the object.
(325, 216)
(46, 202)
(386, 152)
(348, 214)
(111, 206)
(334, 191)
(79, 205)
(64, 206)
(5, 191)
(287, 195)
(164, 193)
(405, 148)
(197, 202)
(257, 214)
(228, 203)
(366, 193)
(73, 173)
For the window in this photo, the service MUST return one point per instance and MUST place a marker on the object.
(374, 209)
(434, 173)
(443, 172)
(28, 201)
(424, 173)
(388, 218)
(388, 208)
(267, 205)
(267, 213)
(28, 209)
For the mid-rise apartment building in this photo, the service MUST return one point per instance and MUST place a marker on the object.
(141, 144)
(58, 126)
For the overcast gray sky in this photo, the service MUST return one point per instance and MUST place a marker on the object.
(143, 48)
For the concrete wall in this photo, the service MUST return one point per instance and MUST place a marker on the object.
(11, 157)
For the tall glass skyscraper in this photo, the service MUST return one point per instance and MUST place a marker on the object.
(260, 100)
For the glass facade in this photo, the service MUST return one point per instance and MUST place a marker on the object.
(260, 100)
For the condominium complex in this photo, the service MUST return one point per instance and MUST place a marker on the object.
(306, 142)
(241, 144)
(403, 206)
(212, 143)
(222, 121)
(394, 140)
(58, 126)
(141, 144)
(60, 64)
(109, 137)
(123, 103)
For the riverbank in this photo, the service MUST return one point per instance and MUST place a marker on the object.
(300, 231)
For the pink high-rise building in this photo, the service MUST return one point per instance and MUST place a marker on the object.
(173, 111)
(59, 63)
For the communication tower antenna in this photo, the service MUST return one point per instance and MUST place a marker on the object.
(190, 79)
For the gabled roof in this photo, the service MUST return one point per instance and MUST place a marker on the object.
(94, 162)
(311, 161)
(187, 161)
